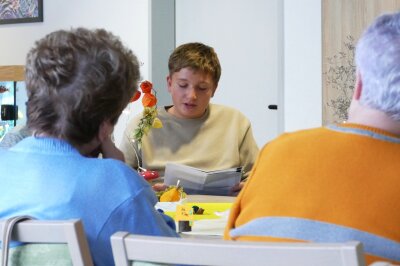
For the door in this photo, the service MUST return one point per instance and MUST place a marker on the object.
(247, 36)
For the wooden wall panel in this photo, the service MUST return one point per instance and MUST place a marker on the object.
(343, 21)
(12, 73)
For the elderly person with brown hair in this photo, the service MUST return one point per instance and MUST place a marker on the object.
(78, 83)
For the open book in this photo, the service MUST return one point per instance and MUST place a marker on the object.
(198, 181)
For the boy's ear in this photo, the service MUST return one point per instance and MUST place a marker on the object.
(169, 82)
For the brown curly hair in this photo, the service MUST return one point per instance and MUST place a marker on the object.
(77, 79)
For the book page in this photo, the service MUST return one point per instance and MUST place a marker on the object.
(198, 181)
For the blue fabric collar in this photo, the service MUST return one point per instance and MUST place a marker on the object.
(364, 132)
(315, 231)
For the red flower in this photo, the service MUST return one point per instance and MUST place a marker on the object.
(149, 115)
(149, 100)
(135, 96)
(146, 86)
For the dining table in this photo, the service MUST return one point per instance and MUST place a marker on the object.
(210, 224)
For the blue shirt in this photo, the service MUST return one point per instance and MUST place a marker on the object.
(49, 179)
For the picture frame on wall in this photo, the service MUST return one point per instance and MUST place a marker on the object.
(21, 11)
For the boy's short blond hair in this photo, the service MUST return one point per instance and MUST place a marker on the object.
(196, 56)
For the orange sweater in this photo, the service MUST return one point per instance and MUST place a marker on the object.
(330, 184)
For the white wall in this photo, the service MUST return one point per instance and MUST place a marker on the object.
(128, 19)
(302, 64)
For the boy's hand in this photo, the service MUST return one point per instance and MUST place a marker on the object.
(236, 188)
(159, 187)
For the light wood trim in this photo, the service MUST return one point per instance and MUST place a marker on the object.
(341, 18)
(12, 73)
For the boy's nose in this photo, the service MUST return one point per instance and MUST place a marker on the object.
(192, 93)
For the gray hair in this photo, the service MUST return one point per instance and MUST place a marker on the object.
(378, 62)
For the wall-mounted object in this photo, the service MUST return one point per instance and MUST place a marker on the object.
(21, 11)
(12, 98)
(9, 112)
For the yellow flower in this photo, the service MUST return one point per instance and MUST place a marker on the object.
(157, 123)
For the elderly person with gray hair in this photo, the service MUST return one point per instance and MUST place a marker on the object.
(337, 183)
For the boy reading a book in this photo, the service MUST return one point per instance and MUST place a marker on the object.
(195, 132)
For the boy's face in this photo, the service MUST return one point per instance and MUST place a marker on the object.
(191, 92)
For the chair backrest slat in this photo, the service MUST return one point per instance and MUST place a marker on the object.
(128, 247)
(70, 232)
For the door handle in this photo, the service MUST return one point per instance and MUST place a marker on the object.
(273, 107)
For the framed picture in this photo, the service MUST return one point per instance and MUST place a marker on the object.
(21, 11)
